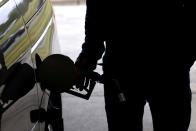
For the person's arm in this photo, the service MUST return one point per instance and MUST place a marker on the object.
(93, 47)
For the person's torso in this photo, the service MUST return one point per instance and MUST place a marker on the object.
(147, 34)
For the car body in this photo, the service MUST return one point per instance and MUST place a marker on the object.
(27, 36)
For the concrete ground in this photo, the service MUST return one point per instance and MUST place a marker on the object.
(83, 115)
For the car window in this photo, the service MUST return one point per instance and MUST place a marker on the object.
(13, 35)
(28, 8)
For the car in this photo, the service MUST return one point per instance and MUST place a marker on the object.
(28, 35)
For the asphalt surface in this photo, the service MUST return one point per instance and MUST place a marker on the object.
(83, 115)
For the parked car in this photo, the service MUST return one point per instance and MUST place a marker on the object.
(27, 36)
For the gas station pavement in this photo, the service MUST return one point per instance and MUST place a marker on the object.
(89, 115)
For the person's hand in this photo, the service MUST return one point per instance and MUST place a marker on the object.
(84, 68)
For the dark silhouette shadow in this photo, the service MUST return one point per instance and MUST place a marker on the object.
(148, 52)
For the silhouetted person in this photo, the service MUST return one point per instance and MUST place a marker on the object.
(148, 52)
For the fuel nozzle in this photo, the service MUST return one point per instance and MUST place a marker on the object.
(86, 90)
